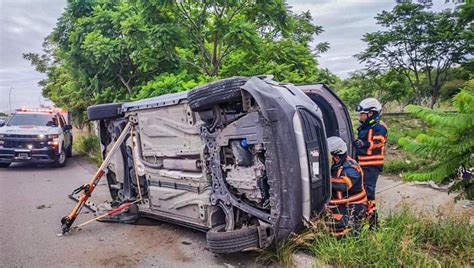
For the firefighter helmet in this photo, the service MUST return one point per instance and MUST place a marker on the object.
(336, 145)
(369, 105)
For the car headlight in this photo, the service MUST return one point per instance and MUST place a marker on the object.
(53, 139)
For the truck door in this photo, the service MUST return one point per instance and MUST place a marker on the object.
(67, 133)
(335, 113)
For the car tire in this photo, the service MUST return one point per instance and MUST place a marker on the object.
(205, 97)
(4, 165)
(69, 150)
(104, 111)
(221, 241)
(61, 158)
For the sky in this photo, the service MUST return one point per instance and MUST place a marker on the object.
(25, 23)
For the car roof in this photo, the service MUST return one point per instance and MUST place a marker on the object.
(35, 112)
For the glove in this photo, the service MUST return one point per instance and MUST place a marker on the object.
(359, 143)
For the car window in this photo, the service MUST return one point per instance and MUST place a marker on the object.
(47, 120)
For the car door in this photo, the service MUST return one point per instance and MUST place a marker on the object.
(67, 132)
(335, 113)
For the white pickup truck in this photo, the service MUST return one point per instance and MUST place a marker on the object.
(36, 136)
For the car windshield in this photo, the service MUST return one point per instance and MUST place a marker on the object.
(47, 120)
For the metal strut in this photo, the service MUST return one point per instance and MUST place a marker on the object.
(87, 189)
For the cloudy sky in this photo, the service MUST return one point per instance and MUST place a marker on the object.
(25, 23)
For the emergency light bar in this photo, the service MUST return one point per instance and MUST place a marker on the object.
(43, 110)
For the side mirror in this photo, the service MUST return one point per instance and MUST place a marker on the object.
(2, 124)
(67, 127)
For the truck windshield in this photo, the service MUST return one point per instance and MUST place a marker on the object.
(47, 120)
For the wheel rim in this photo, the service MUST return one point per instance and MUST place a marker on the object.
(62, 157)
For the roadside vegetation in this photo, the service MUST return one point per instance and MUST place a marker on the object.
(405, 239)
(448, 142)
(88, 146)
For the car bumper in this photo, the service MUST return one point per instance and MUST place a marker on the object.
(285, 163)
(43, 155)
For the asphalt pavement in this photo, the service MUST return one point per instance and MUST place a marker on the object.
(33, 199)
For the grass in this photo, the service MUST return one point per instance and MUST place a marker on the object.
(88, 146)
(404, 239)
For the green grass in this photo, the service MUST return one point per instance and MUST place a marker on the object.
(88, 146)
(397, 166)
(403, 240)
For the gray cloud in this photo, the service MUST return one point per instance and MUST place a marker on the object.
(345, 22)
(25, 23)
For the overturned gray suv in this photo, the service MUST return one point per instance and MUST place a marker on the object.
(244, 159)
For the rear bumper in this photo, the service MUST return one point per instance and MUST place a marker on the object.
(284, 166)
(43, 155)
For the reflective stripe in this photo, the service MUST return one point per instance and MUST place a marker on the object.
(380, 137)
(371, 163)
(343, 179)
(358, 197)
(371, 143)
(373, 157)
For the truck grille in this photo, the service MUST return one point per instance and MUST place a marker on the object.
(314, 135)
(22, 141)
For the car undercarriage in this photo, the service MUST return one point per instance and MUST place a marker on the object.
(244, 159)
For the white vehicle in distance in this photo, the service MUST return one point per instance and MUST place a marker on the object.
(35, 136)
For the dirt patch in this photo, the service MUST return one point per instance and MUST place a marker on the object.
(395, 195)
(118, 261)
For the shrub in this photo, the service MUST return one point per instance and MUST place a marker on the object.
(88, 146)
(449, 142)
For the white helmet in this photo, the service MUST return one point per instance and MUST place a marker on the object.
(369, 105)
(336, 145)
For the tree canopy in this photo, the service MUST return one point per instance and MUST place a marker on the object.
(420, 44)
(105, 51)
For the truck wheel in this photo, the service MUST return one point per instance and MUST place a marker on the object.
(61, 158)
(221, 241)
(104, 111)
(4, 165)
(69, 150)
(222, 91)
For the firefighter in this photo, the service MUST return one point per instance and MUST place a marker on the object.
(370, 147)
(348, 204)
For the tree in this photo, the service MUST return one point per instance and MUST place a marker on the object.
(119, 50)
(419, 44)
(449, 142)
(387, 87)
(242, 37)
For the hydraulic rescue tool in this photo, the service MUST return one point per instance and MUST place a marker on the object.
(87, 189)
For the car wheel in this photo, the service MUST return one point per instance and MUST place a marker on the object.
(104, 111)
(69, 150)
(61, 158)
(222, 91)
(4, 165)
(221, 241)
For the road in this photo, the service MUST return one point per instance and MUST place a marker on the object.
(34, 198)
